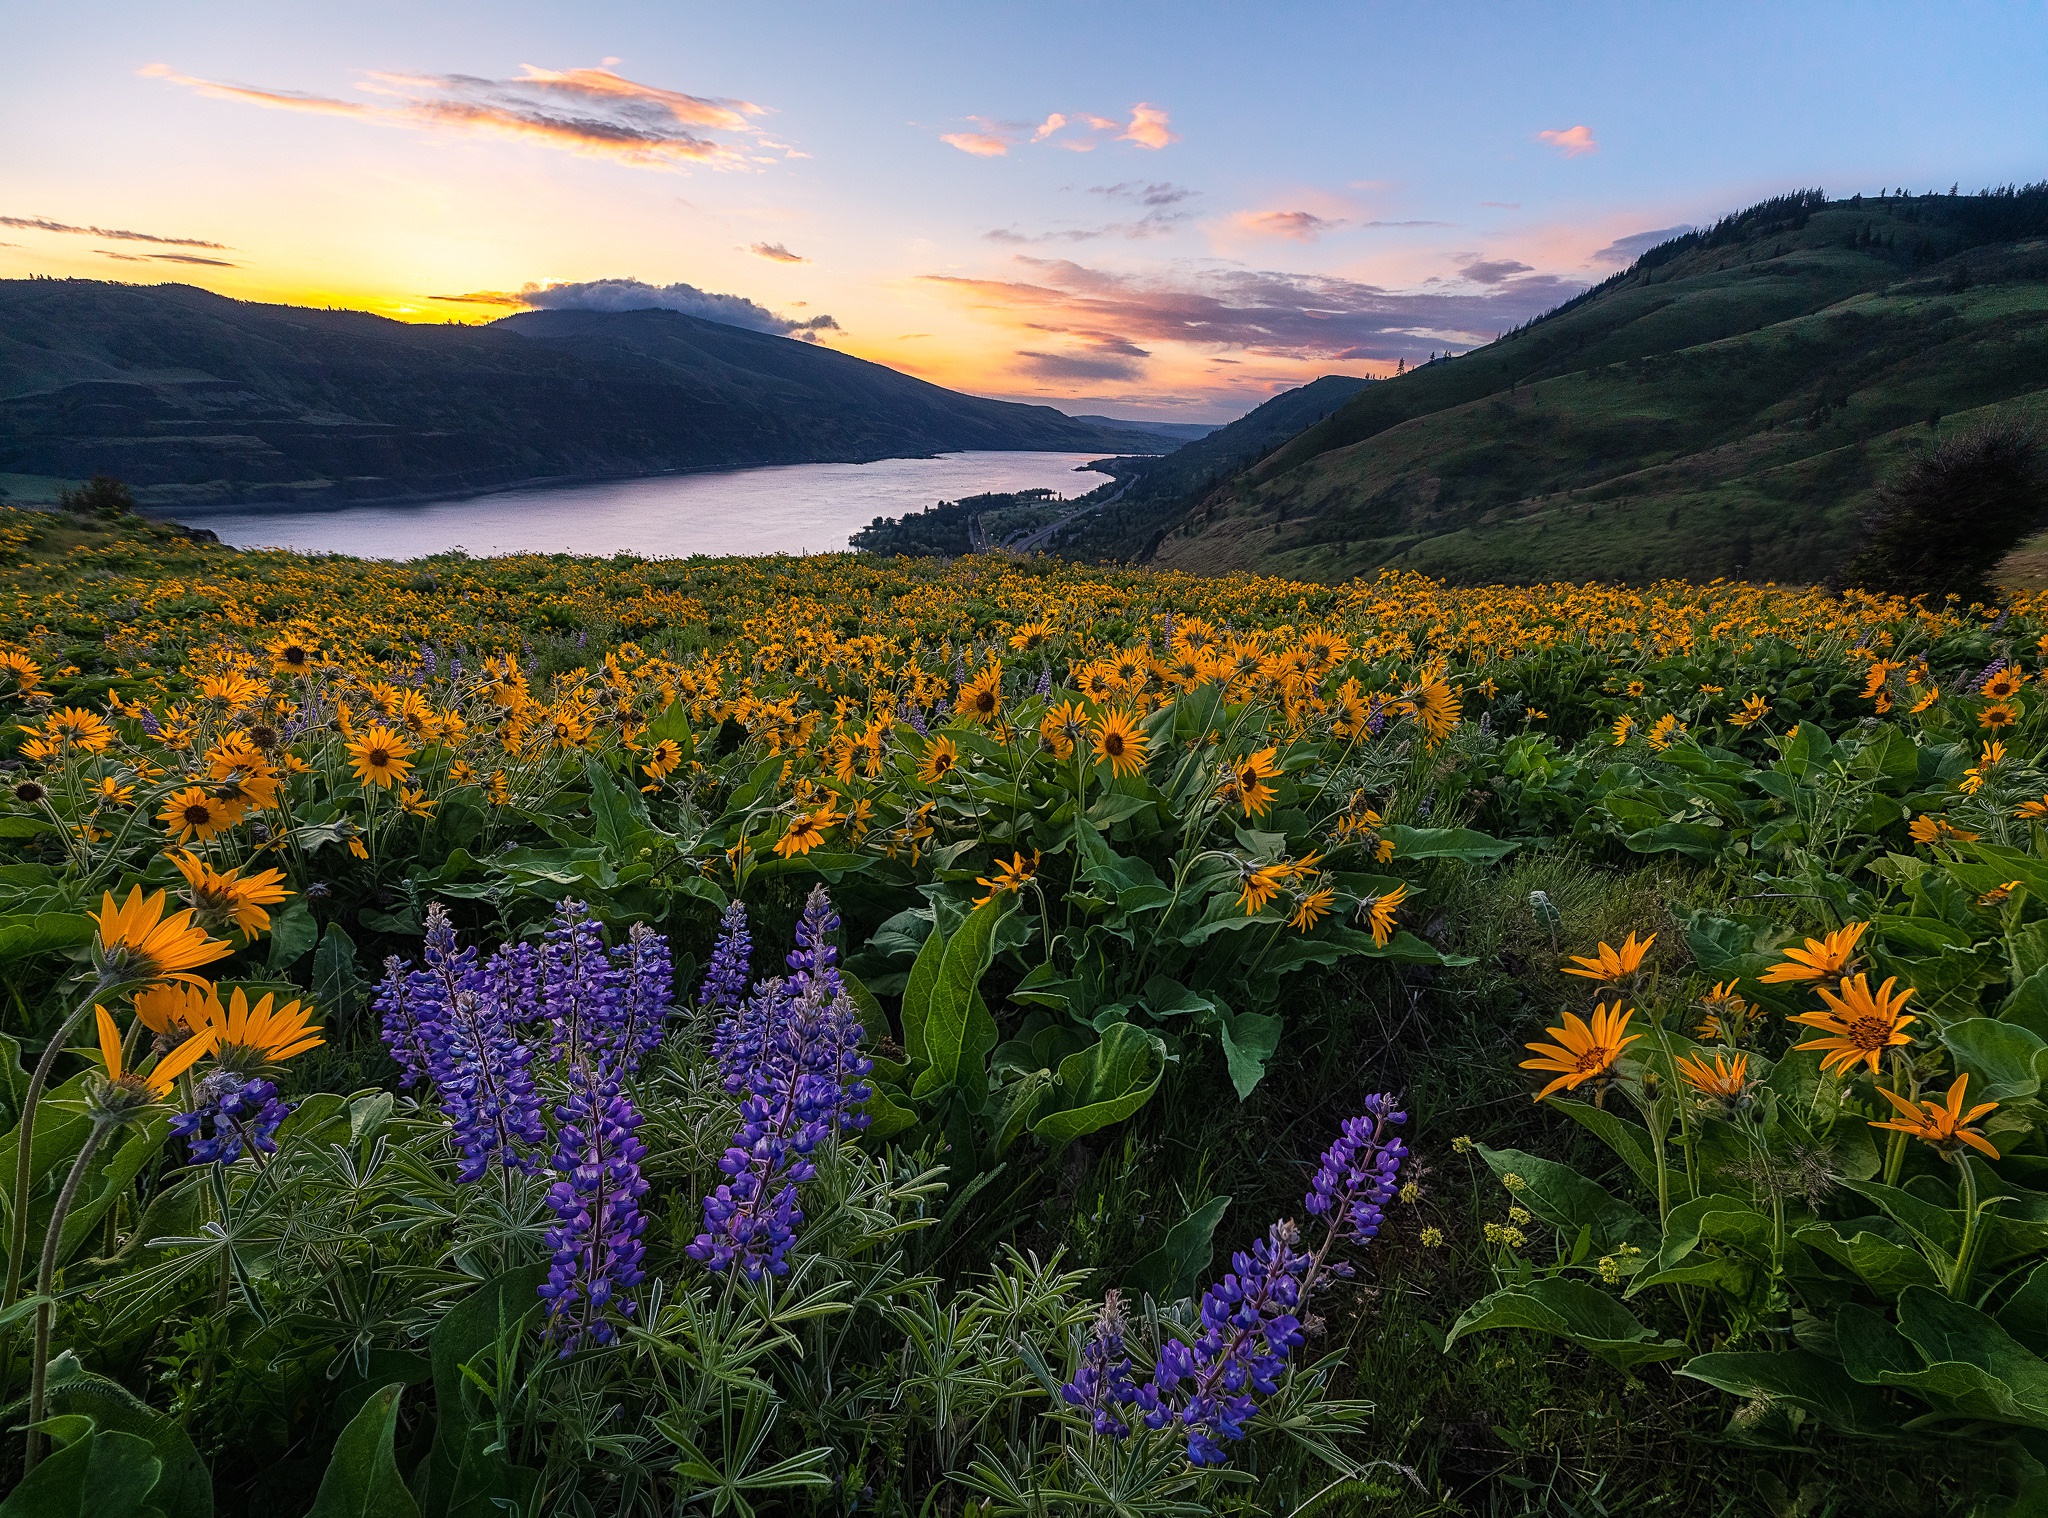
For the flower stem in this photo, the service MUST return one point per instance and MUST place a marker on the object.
(25, 1143)
(46, 1280)
(1966, 1260)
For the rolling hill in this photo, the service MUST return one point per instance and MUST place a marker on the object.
(196, 399)
(1722, 407)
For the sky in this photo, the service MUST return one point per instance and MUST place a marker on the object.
(1171, 211)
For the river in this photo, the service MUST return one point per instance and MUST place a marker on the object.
(789, 508)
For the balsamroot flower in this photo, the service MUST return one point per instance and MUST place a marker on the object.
(137, 942)
(1822, 958)
(1582, 1051)
(594, 1245)
(1860, 1024)
(1611, 964)
(1944, 1123)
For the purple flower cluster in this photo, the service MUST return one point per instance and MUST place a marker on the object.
(790, 1051)
(231, 1113)
(1208, 1389)
(594, 1245)
(1103, 1385)
(730, 972)
(596, 1000)
(454, 1023)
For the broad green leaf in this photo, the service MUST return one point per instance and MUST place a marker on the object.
(27, 933)
(1567, 1201)
(1885, 1265)
(1999, 1056)
(917, 995)
(462, 1478)
(337, 981)
(183, 1487)
(1104, 1083)
(1249, 1040)
(1572, 1310)
(1447, 843)
(1171, 1272)
(97, 1474)
(362, 1479)
(1629, 1140)
(293, 932)
(958, 1030)
(1800, 1377)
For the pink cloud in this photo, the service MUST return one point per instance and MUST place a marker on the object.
(980, 144)
(1148, 128)
(1572, 141)
(591, 111)
(1299, 226)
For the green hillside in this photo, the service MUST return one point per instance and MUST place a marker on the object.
(1722, 407)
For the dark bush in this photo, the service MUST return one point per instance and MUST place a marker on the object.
(101, 496)
(1943, 521)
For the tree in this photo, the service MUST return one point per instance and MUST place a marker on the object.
(101, 496)
(1942, 522)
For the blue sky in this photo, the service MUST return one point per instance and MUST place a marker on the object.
(1165, 210)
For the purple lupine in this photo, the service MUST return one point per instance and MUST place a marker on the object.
(231, 1114)
(1250, 1320)
(1375, 715)
(814, 958)
(1358, 1174)
(578, 988)
(594, 1243)
(917, 722)
(643, 964)
(1045, 682)
(1103, 1385)
(430, 662)
(1983, 675)
(399, 1012)
(150, 725)
(791, 1053)
(1249, 1326)
(731, 971)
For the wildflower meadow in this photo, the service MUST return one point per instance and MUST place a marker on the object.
(836, 1035)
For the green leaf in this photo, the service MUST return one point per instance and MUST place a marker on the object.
(1572, 1310)
(1171, 1272)
(23, 934)
(463, 1478)
(1104, 1083)
(1447, 843)
(958, 1030)
(183, 1488)
(1999, 1056)
(362, 1479)
(1568, 1202)
(293, 932)
(1629, 1140)
(1249, 1039)
(336, 980)
(1800, 1377)
(917, 995)
(98, 1474)
(1886, 1266)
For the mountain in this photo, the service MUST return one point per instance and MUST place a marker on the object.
(1724, 406)
(1179, 432)
(1158, 491)
(196, 399)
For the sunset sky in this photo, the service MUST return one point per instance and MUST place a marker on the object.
(1167, 210)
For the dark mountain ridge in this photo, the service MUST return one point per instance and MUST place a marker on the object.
(1725, 406)
(197, 400)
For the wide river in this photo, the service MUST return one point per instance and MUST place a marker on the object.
(789, 508)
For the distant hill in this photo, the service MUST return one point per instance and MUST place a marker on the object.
(1177, 432)
(195, 399)
(1722, 407)
(1158, 491)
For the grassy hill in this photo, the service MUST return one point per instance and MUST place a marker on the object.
(1722, 407)
(196, 399)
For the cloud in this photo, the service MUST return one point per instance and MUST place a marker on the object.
(1158, 194)
(1503, 205)
(1148, 128)
(1626, 250)
(1572, 141)
(167, 258)
(1080, 132)
(980, 144)
(1230, 309)
(591, 111)
(1493, 271)
(638, 295)
(1301, 226)
(1069, 366)
(777, 253)
(111, 234)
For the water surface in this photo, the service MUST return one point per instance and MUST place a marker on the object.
(789, 508)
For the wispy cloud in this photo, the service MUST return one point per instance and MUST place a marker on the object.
(1078, 132)
(1160, 193)
(167, 258)
(1226, 309)
(1493, 271)
(1570, 141)
(110, 234)
(591, 111)
(1626, 250)
(1299, 226)
(775, 252)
